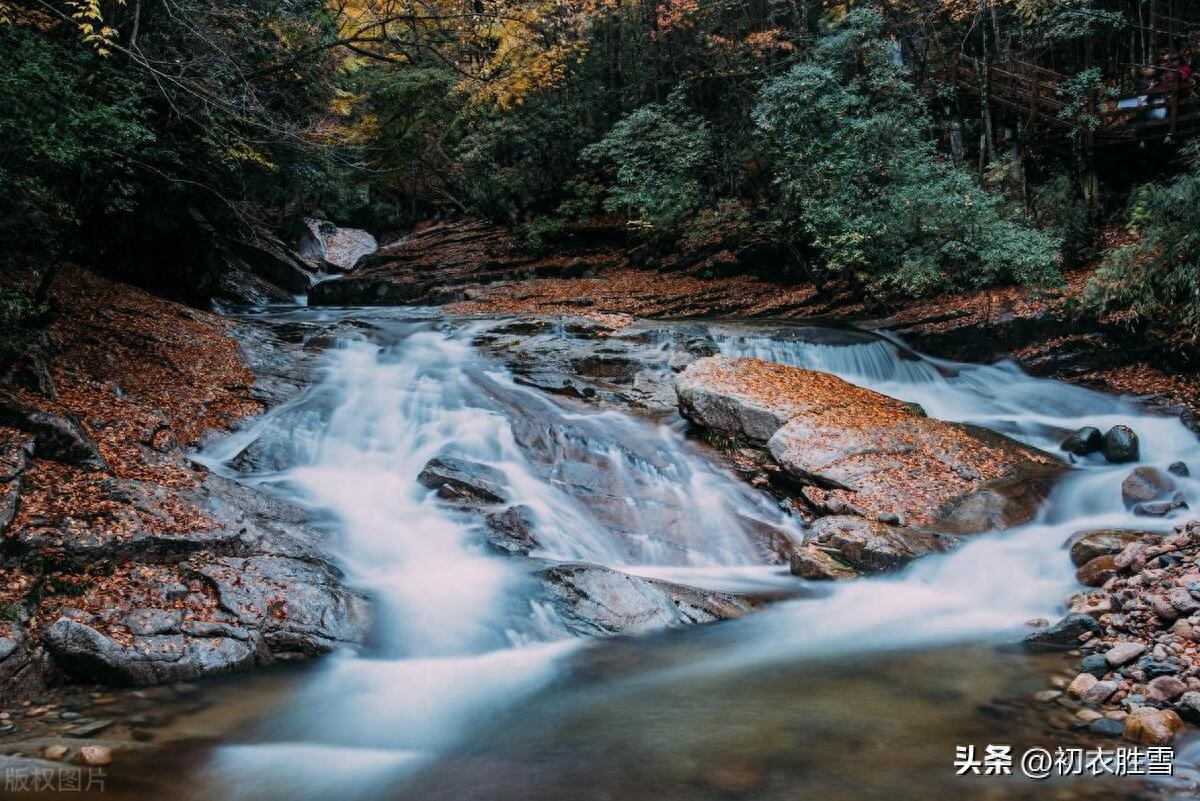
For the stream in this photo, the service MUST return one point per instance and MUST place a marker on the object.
(475, 687)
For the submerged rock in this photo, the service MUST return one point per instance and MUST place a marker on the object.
(1145, 484)
(511, 531)
(871, 546)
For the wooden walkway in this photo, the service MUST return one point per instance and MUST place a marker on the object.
(1032, 93)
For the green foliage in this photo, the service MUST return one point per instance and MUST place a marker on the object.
(862, 186)
(1156, 278)
(658, 153)
(70, 135)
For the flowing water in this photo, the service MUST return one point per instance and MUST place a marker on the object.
(470, 689)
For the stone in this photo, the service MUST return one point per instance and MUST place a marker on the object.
(1182, 600)
(1095, 664)
(88, 729)
(1121, 445)
(1105, 727)
(511, 531)
(463, 480)
(850, 448)
(58, 438)
(1152, 668)
(54, 752)
(1188, 707)
(328, 246)
(1145, 484)
(1123, 653)
(1085, 546)
(598, 601)
(871, 546)
(1164, 689)
(1088, 715)
(95, 756)
(1063, 635)
(1097, 571)
(1178, 469)
(1084, 441)
(1099, 692)
(1046, 696)
(1161, 508)
(1162, 608)
(1081, 684)
(1149, 726)
(816, 564)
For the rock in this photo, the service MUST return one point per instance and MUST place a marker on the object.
(1099, 692)
(272, 260)
(325, 245)
(1164, 689)
(1046, 696)
(1188, 707)
(816, 564)
(1183, 601)
(1084, 441)
(1178, 469)
(58, 438)
(511, 531)
(871, 546)
(88, 729)
(856, 449)
(1063, 635)
(1123, 653)
(1145, 484)
(597, 601)
(54, 752)
(1162, 608)
(1096, 665)
(1148, 726)
(1161, 508)
(1121, 445)
(94, 756)
(1104, 727)
(1087, 545)
(1097, 571)
(462, 480)
(1088, 715)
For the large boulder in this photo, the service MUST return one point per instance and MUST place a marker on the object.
(463, 481)
(329, 247)
(1121, 445)
(1145, 484)
(859, 451)
(596, 601)
(1085, 546)
(871, 546)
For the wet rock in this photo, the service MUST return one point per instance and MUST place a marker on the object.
(1178, 469)
(1123, 653)
(1097, 571)
(1121, 445)
(1161, 508)
(1087, 545)
(870, 546)
(89, 729)
(595, 601)
(1162, 608)
(817, 564)
(54, 752)
(1188, 707)
(462, 480)
(1084, 441)
(1063, 635)
(856, 449)
(511, 531)
(1148, 726)
(1145, 484)
(1164, 689)
(154, 621)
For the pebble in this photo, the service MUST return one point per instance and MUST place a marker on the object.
(1106, 727)
(1164, 689)
(1046, 696)
(1099, 692)
(1088, 715)
(1081, 684)
(97, 755)
(54, 752)
(1096, 664)
(1124, 652)
(1149, 726)
(88, 729)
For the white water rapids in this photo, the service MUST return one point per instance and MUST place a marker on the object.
(459, 640)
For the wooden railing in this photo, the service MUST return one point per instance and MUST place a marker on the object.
(1033, 92)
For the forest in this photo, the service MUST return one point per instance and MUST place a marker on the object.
(859, 146)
